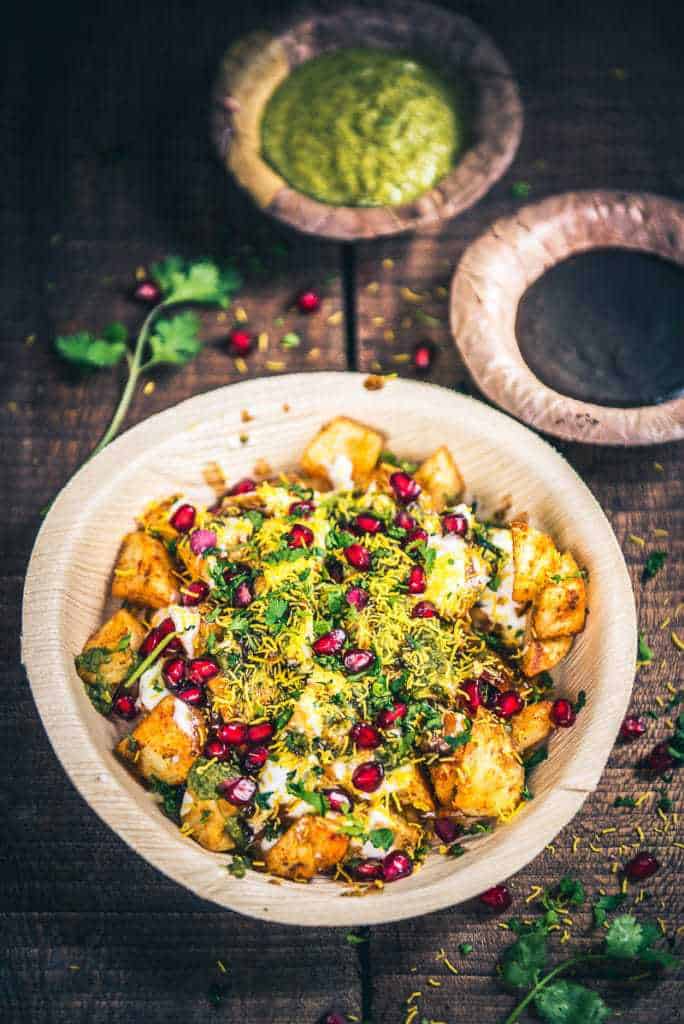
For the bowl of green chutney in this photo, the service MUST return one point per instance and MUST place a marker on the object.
(352, 122)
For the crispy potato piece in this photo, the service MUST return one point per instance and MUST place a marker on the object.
(532, 725)
(308, 847)
(208, 820)
(343, 437)
(535, 556)
(144, 574)
(541, 655)
(560, 608)
(441, 478)
(166, 742)
(114, 666)
(410, 787)
(484, 777)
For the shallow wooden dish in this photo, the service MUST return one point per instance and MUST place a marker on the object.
(497, 269)
(254, 66)
(68, 581)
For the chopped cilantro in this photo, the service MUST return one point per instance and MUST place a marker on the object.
(645, 654)
(382, 838)
(172, 798)
(653, 565)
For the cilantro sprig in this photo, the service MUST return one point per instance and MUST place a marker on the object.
(161, 340)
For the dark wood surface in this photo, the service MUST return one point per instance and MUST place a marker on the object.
(109, 167)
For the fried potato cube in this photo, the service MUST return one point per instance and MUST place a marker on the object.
(410, 788)
(541, 655)
(343, 444)
(143, 573)
(166, 742)
(208, 818)
(308, 847)
(560, 607)
(532, 725)
(484, 777)
(441, 478)
(535, 557)
(110, 666)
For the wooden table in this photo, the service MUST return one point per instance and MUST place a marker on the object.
(110, 168)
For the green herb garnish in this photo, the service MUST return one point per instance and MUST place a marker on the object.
(653, 565)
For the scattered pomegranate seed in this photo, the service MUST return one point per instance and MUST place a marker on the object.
(424, 610)
(368, 870)
(640, 867)
(357, 660)
(193, 695)
(300, 536)
(147, 291)
(497, 898)
(260, 733)
(202, 540)
(403, 520)
(124, 706)
(152, 640)
(368, 776)
(562, 713)
(405, 487)
(242, 596)
(335, 569)
(358, 556)
(308, 301)
(357, 597)
(417, 580)
(365, 736)
(215, 748)
(238, 792)
(301, 508)
(447, 829)
(423, 355)
(183, 519)
(239, 342)
(510, 703)
(201, 670)
(330, 643)
(173, 672)
(660, 759)
(233, 733)
(454, 522)
(165, 627)
(471, 688)
(194, 593)
(339, 800)
(415, 536)
(255, 759)
(366, 523)
(632, 728)
(388, 716)
(396, 865)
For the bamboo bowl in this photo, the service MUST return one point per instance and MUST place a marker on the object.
(254, 67)
(67, 588)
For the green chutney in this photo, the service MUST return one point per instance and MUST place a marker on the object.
(362, 127)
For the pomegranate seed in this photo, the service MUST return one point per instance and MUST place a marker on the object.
(365, 736)
(183, 519)
(388, 716)
(489, 693)
(339, 800)
(125, 707)
(424, 610)
(242, 596)
(301, 508)
(455, 523)
(415, 536)
(660, 759)
(368, 776)
(239, 342)
(497, 898)
(396, 865)
(632, 728)
(147, 291)
(300, 536)
(405, 487)
(368, 870)
(366, 523)
(260, 733)
(308, 301)
(152, 640)
(233, 733)
(562, 713)
(357, 597)
(165, 627)
(335, 569)
(358, 556)
(357, 660)
(471, 688)
(215, 748)
(510, 703)
(255, 759)
(194, 593)
(202, 540)
(244, 486)
(423, 354)
(193, 695)
(417, 580)
(238, 792)
(330, 643)
(640, 867)
(201, 670)
(403, 520)
(173, 672)
(447, 829)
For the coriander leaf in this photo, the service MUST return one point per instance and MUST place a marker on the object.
(356, 939)
(238, 866)
(175, 341)
(624, 938)
(276, 611)
(653, 565)
(203, 281)
(465, 948)
(644, 653)
(624, 801)
(316, 800)
(535, 758)
(382, 838)
(522, 962)
(172, 797)
(290, 340)
(565, 1002)
(571, 891)
(580, 702)
(90, 353)
(659, 958)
